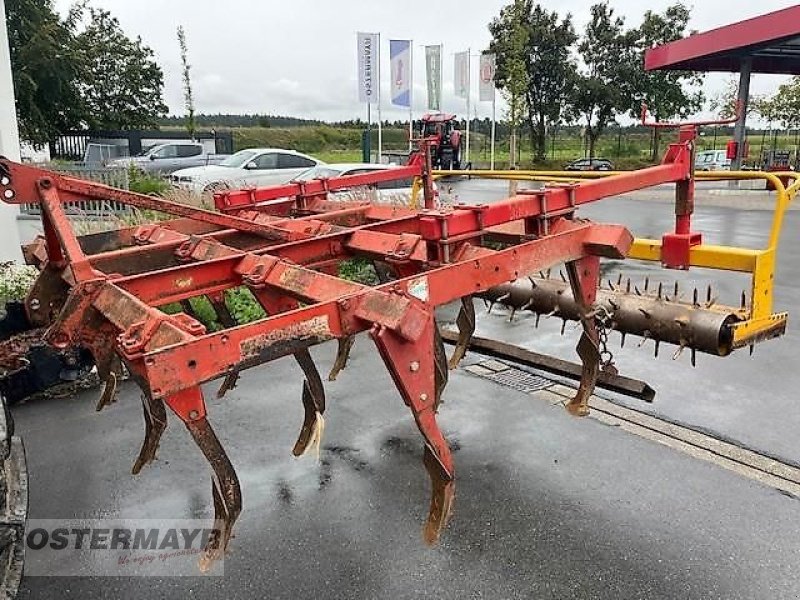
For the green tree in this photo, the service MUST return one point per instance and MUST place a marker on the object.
(549, 67)
(784, 106)
(510, 32)
(188, 97)
(120, 82)
(44, 69)
(667, 94)
(605, 84)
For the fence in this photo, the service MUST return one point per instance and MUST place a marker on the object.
(114, 177)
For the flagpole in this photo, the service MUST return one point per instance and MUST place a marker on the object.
(380, 135)
(369, 132)
(494, 104)
(410, 95)
(469, 63)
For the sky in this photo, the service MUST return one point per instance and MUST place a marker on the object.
(298, 57)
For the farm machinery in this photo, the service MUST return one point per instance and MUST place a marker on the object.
(106, 293)
(444, 139)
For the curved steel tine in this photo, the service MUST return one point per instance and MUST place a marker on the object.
(313, 403)
(441, 368)
(227, 320)
(155, 422)
(466, 328)
(225, 490)
(345, 344)
(418, 387)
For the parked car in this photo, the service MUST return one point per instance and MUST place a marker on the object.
(590, 164)
(397, 191)
(712, 160)
(257, 167)
(166, 158)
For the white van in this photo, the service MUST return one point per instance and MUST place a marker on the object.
(712, 160)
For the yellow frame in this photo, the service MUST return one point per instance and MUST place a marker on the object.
(758, 319)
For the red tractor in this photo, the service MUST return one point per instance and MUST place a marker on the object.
(445, 138)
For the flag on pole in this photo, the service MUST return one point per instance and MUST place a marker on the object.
(400, 70)
(462, 74)
(368, 59)
(433, 70)
(486, 79)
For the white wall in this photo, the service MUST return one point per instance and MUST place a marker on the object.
(9, 144)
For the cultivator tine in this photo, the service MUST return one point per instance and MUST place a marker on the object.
(109, 371)
(466, 327)
(345, 344)
(440, 365)
(155, 422)
(413, 369)
(313, 404)
(583, 279)
(225, 490)
(227, 320)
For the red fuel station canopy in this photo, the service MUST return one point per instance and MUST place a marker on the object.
(771, 40)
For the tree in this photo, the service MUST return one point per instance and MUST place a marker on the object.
(549, 67)
(510, 33)
(551, 71)
(667, 94)
(44, 69)
(120, 82)
(606, 83)
(188, 98)
(724, 102)
(784, 106)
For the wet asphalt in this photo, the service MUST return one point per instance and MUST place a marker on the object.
(548, 506)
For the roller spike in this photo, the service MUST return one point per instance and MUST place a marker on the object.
(619, 279)
(563, 277)
(646, 283)
(675, 292)
(611, 286)
(533, 281)
(660, 290)
(636, 289)
(658, 344)
(563, 326)
(541, 275)
(513, 312)
(622, 341)
(711, 302)
(613, 304)
(538, 316)
(694, 357)
(491, 306)
(752, 349)
(645, 337)
(708, 294)
(694, 298)
(547, 275)
(645, 313)
(628, 286)
(486, 303)
(744, 299)
(680, 350)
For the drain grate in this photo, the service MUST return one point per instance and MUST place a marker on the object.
(520, 380)
(504, 374)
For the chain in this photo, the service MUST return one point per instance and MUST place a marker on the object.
(603, 320)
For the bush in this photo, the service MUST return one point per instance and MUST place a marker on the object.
(15, 281)
(143, 183)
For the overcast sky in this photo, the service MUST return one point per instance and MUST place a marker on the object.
(298, 57)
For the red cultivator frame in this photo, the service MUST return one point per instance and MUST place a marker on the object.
(103, 291)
